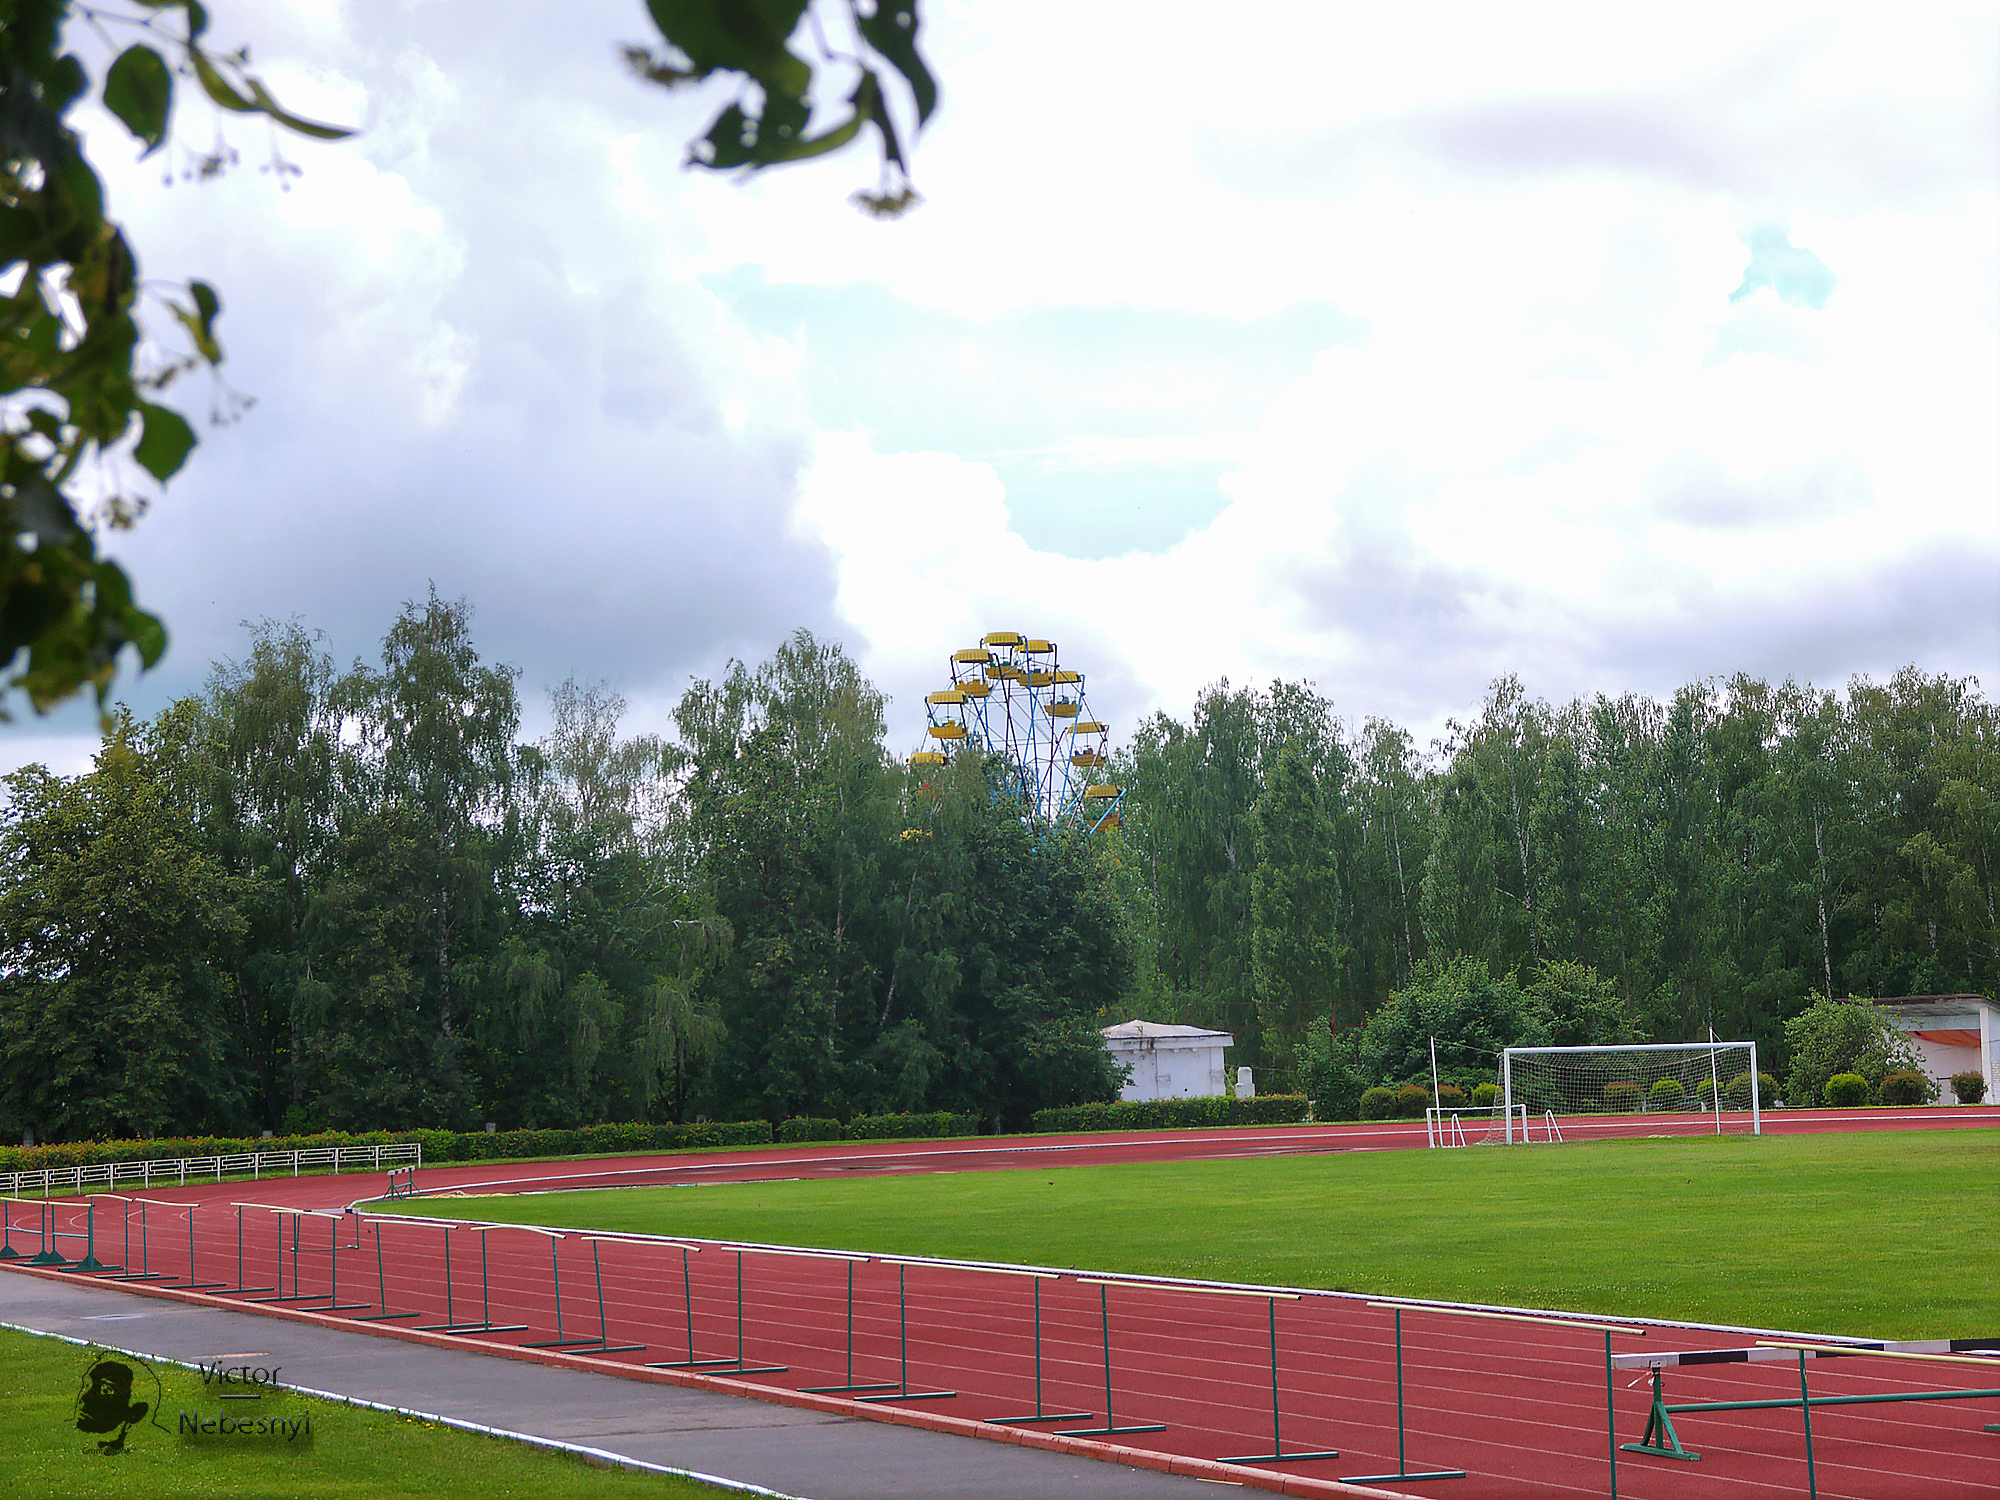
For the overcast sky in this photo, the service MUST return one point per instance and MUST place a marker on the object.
(1394, 347)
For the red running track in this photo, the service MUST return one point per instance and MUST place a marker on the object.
(1520, 1406)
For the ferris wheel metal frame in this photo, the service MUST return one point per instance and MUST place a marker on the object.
(1011, 697)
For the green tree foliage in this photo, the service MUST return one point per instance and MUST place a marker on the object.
(1830, 1037)
(1711, 860)
(118, 930)
(1470, 1011)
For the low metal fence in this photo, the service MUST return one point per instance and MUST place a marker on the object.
(184, 1169)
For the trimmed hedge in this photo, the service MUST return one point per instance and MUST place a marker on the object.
(1905, 1086)
(1412, 1099)
(1485, 1095)
(1666, 1094)
(1968, 1088)
(1621, 1096)
(1172, 1114)
(805, 1128)
(439, 1145)
(909, 1127)
(1378, 1103)
(1846, 1091)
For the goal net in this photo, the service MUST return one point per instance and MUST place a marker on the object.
(1686, 1087)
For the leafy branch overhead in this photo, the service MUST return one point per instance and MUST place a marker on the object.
(79, 377)
(770, 118)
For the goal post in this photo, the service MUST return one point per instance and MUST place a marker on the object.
(1700, 1086)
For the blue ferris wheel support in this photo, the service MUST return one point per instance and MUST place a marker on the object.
(1011, 697)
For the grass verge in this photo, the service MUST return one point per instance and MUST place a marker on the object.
(353, 1453)
(1869, 1234)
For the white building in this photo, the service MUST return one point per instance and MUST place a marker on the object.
(1169, 1062)
(1953, 1034)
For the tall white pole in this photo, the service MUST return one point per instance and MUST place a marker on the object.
(1756, 1094)
(1715, 1082)
(1436, 1102)
(1507, 1093)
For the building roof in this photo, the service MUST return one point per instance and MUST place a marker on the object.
(1935, 1007)
(1155, 1031)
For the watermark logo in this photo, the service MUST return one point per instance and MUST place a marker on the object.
(107, 1403)
(235, 1388)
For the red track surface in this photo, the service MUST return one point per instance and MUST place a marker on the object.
(1520, 1406)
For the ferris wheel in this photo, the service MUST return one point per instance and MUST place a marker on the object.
(1011, 697)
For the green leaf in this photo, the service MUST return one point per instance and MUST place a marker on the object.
(219, 88)
(742, 36)
(140, 91)
(165, 442)
(892, 31)
(200, 320)
(291, 121)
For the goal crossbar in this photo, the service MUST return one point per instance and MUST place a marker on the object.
(1704, 1061)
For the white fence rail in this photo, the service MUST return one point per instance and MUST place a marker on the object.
(183, 1169)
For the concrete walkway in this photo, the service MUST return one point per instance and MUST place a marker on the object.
(795, 1452)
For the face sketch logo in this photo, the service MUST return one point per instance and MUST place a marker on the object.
(105, 1403)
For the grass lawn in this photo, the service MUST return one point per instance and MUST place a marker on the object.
(353, 1453)
(1878, 1234)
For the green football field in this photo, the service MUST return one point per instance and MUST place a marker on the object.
(1883, 1234)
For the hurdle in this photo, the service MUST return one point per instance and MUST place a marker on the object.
(1660, 1440)
(902, 1392)
(240, 1289)
(403, 1183)
(90, 1263)
(485, 1323)
(332, 1294)
(1111, 1424)
(192, 1285)
(145, 1271)
(381, 1282)
(1277, 1453)
(599, 1345)
(733, 1366)
(1541, 1320)
(7, 1250)
(1040, 1413)
(850, 1388)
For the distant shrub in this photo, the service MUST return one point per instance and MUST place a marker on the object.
(1968, 1088)
(1378, 1103)
(909, 1127)
(1450, 1096)
(1172, 1114)
(1905, 1087)
(1666, 1094)
(1846, 1091)
(801, 1128)
(1736, 1092)
(1485, 1095)
(1621, 1096)
(1412, 1099)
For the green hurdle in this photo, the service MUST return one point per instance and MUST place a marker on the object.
(1402, 1443)
(381, 1282)
(902, 1392)
(1040, 1414)
(485, 1323)
(729, 1366)
(850, 1387)
(599, 1345)
(1111, 1424)
(1277, 1453)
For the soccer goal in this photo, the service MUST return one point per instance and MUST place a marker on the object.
(1696, 1086)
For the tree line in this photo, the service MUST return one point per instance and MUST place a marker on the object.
(1645, 868)
(312, 898)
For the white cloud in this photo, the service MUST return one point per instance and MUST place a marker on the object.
(1413, 322)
